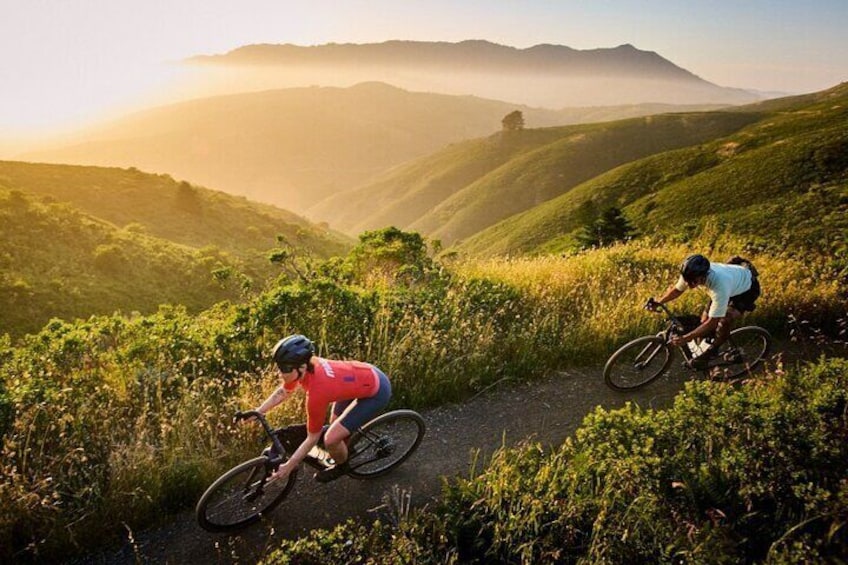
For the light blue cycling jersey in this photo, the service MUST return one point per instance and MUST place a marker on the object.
(723, 283)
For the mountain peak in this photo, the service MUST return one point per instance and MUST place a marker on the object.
(470, 54)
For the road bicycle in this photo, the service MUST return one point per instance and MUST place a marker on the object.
(641, 361)
(246, 493)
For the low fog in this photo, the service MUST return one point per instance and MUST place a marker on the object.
(531, 89)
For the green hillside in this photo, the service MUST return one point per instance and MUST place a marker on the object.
(780, 182)
(177, 211)
(87, 240)
(59, 262)
(405, 193)
(555, 168)
(468, 187)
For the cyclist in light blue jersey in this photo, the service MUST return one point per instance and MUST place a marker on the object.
(733, 288)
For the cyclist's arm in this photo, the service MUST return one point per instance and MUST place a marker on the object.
(705, 329)
(670, 294)
(717, 313)
(275, 399)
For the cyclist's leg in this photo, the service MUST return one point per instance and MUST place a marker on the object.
(737, 306)
(354, 416)
(716, 339)
(339, 407)
(724, 326)
(335, 440)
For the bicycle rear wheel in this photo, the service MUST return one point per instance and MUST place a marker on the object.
(637, 363)
(241, 496)
(384, 443)
(745, 350)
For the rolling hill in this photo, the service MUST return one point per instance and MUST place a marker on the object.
(60, 263)
(781, 182)
(468, 187)
(176, 211)
(78, 241)
(288, 147)
(294, 147)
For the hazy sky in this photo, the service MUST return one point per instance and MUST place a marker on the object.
(63, 62)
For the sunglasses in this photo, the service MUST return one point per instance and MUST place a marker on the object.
(287, 368)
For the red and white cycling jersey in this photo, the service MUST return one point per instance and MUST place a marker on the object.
(332, 381)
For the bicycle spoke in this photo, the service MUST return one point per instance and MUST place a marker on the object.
(385, 443)
(637, 363)
(241, 496)
(744, 351)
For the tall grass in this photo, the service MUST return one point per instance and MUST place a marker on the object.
(591, 301)
(115, 420)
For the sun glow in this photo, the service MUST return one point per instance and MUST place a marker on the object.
(71, 63)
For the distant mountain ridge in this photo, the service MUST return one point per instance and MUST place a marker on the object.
(470, 55)
(552, 76)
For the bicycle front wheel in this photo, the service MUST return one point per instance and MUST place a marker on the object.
(241, 496)
(637, 363)
(384, 443)
(745, 350)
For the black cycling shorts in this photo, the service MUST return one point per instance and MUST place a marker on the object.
(745, 302)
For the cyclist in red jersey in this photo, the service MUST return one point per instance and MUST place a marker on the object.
(356, 390)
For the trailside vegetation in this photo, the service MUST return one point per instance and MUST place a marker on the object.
(123, 420)
(754, 474)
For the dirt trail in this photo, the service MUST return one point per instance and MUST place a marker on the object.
(548, 411)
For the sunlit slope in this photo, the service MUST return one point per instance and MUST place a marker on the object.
(294, 146)
(59, 262)
(554, 169)
(175, 211)
(780, 182)
(405, 193)
(469, 187)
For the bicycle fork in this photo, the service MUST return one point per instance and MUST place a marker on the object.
(641, 363)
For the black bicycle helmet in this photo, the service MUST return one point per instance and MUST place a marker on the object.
(694, 267)
(293, 351)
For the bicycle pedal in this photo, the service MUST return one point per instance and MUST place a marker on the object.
(332, 473)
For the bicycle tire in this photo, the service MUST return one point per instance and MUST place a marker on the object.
(622, 371)
(385, 442)
(754, 345)
(223, 507)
